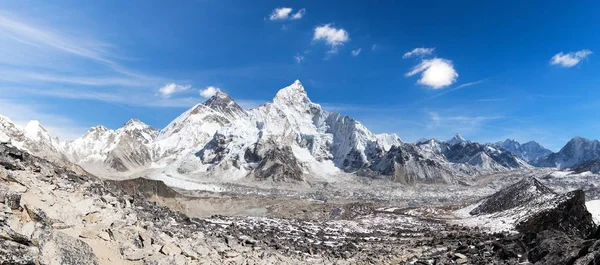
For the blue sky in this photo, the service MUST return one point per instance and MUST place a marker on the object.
(488, 70)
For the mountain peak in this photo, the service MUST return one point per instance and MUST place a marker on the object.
(223, 103)
(34, 130)
(294, 93)
(457, 139)
(135, 124)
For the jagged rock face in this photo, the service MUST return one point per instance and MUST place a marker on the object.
(145, 187)
(530, 207)
(278, 164)
(102, 150)
(569, 216)
(481, 155)
(575, 153)
(518, 194)
(406, 165)
(530, 151)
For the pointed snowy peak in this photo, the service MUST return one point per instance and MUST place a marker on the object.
(292, 94)
(387, 140)
(135, 124)
(223, 103)
(457, 139)
(36, 132)
(97, 132)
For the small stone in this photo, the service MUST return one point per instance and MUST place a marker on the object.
(462, 261)
(27, 229)
(135, 255)
(104, 235)
(146, 239)
(189, 252)
(170, 249)
(460, 256)
(13, 201)
(88, 234)
(92, 217)
(231, 254)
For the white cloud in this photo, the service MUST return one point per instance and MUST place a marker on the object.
(418, 52)
(374, 47)
(299, 14)
(299, 58)
(209, 91)
(172, 88)
(285, 13)
(356, 52)
(436, 73)
(331, 35)
(569, 59)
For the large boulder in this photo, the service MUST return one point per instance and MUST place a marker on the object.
(59, 248)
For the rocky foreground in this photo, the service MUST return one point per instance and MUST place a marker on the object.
(49, 215)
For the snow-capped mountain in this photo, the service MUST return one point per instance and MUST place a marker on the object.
(289, 138)
(457, 139)
(530, 151)
(35, 139)
(575, 153)
(101, 150)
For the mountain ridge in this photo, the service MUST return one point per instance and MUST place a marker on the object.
(218, 138)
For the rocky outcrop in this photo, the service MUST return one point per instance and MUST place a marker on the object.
(530, 207)
(144, 187)
(518, 194)
(278, 164)
(569, 215)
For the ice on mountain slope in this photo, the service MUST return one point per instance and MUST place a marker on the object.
(387, 140)
(194, 128)
(101, 150)
(530, 151)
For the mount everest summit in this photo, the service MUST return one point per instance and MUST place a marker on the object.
(287, 139)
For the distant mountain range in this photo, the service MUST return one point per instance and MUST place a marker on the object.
(530, 151)
(288, 139)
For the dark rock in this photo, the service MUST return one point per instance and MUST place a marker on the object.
(569, 216)
(145, 187)
(13, 201)
(513, 196)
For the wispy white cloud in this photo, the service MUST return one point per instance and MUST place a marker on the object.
(356, 52)
(172, 88)
(37, 36)
(569, 59)
(458, 123)
(334, 37)
(299, 58)
(46, 76)
(419, 52)
(285, 13)
(209, 91)
(280, 13)
(436, 73)
(374, 47)
(299, 14)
